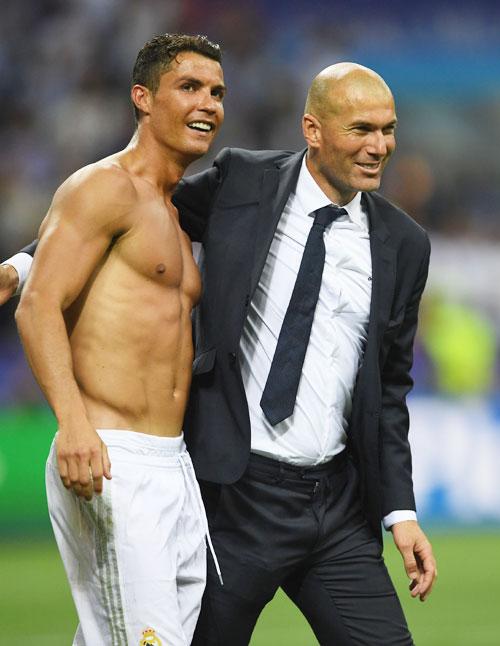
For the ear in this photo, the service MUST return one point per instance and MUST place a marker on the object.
(311, 129)
(141, 98)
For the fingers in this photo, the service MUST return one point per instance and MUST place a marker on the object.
(73, 471)
(106, 463)
(82, 469)
(76, 475)
(411, 568)
(98, 467)
(83, 491)
(428, 577)
(63, 471)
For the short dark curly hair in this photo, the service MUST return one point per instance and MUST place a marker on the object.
(156, 55)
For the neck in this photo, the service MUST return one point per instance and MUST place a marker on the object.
(156, 164)
(334, 193)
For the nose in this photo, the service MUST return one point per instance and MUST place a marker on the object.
(377, 144)
(209, 103)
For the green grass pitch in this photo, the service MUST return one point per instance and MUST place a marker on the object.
(464, 609)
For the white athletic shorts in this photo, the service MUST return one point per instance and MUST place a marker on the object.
(135, 556)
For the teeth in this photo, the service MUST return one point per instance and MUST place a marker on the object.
(200, 125)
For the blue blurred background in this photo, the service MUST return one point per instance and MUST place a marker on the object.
(64, 80)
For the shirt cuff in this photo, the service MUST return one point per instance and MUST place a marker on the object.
(398, 516)
(22, 264)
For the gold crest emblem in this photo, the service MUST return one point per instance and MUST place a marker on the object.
(149, 638)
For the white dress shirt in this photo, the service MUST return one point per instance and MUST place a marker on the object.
(317, 429)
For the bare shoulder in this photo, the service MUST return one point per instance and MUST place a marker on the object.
(101, 194)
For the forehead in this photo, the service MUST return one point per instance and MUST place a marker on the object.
(359, 96)
(368, 108)
(193, 65)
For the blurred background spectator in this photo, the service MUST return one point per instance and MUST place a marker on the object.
(64, 77)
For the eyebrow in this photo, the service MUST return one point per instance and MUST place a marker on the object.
(370, 124)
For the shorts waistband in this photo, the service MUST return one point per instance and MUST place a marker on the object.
(284, 469)
(142, 443)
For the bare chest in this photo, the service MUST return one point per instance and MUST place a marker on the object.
(158, 251)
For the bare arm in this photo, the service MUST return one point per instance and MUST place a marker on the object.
(87, 212)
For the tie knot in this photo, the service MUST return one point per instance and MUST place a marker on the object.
(327, 214)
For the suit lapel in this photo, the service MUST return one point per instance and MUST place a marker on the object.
(383, 273)
(277, 185)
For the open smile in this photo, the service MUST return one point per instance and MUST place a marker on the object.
(201, 126)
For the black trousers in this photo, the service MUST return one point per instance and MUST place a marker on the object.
(302, 530)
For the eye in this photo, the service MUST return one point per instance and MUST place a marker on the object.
(187, 87)
(219, 93)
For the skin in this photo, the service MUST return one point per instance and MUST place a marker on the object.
(110, 341)
(9, 281)
(349, 126)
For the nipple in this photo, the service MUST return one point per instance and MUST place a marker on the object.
(160, 269)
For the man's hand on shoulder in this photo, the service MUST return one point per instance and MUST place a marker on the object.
(8, 282)
(419, 561)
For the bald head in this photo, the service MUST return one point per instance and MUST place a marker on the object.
(349, 126)
(344, 84)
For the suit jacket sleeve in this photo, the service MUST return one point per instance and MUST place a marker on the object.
(30, 248)
(395, 457)
(195, 195)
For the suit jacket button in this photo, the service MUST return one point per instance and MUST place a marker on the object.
(232, 357)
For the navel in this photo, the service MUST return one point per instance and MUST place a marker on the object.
(160, 269)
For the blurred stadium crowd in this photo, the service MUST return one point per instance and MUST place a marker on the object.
(64, 77)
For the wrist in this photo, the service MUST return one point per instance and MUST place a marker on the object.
(401, 523)
(71, 415)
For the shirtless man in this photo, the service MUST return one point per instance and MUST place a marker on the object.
(105, 322)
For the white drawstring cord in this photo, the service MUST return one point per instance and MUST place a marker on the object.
(194, 486)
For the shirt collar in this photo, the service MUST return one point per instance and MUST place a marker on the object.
(311, 197)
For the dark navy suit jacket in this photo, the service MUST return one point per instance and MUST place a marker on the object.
(233, 209)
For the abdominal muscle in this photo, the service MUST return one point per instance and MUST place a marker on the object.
(132, 350)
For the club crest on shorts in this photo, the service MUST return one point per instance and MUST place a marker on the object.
(149, 638)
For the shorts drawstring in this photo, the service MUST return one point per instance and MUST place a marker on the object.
(192, 484)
